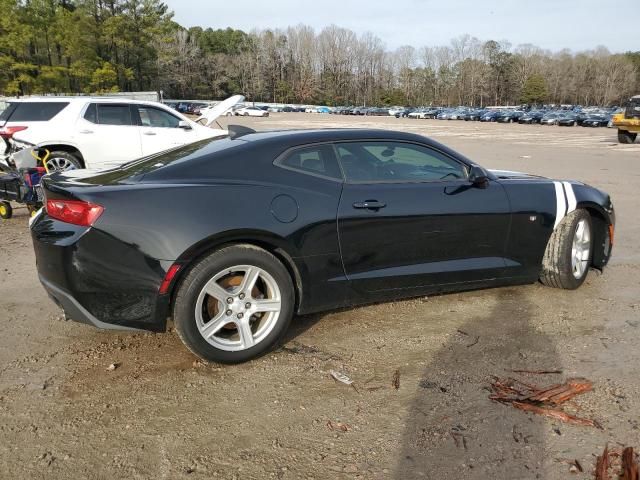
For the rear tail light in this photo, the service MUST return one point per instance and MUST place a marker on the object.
(75, 212)
(168, 278)
(7, 132)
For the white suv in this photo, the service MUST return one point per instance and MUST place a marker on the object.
(100, 132)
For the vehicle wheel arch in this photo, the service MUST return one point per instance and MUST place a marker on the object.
(601, 240)
(63, 147)
(266, 241)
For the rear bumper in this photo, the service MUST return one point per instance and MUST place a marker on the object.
(98, 279)
(73, 310)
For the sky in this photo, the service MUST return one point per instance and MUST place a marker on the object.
(550, 24)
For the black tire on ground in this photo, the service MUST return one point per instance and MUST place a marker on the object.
(192, 284)
(62, 156)
(556, 264)
(626, 137)
(6, 211)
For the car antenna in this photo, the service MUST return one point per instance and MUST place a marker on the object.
(237, 131)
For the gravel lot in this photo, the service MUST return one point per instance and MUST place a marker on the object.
(162, 415)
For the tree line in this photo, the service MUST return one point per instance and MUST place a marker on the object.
(97, 46)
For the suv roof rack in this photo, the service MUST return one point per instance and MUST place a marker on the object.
(237, 131)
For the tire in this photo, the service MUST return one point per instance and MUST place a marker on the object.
(6, 211)
(626, 137)
(196, 313)
(568, 255)
(59, 161)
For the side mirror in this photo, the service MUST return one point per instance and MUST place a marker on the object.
(478, 177)
(183, 124)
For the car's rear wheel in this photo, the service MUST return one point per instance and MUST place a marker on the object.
(234, 305)
(6, 211)
(568, 255)
(60, 161)
(626, 137)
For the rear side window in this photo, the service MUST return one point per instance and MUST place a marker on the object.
(315, 160)
(32, 111)
(108, 114)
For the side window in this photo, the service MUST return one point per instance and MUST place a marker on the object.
(316, 160)
(112, 114)
(36, 111)
(154, 117)
(91, 114)
(396, 162)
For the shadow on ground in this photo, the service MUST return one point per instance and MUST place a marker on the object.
(452, 428)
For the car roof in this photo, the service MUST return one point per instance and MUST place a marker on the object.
(331, 134)
(294, 138)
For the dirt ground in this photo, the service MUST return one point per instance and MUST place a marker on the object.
(160, 415)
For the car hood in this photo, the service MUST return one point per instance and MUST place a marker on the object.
(510, 174)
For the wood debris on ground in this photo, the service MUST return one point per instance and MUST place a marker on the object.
(343, 427)
(542, 400)
(395, 381)
(614, 464)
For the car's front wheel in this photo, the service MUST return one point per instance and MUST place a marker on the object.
(568, 255)
(234, 305)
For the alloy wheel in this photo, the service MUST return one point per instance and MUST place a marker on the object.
(580, 249)
(59, 164)
(238, 308)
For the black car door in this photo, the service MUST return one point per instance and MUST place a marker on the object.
(409, 218)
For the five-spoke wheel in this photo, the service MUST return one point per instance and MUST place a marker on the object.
(567, 258)
(238, 307)
(234, 304)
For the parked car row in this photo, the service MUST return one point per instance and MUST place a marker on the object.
(569, 118)
(565, 116)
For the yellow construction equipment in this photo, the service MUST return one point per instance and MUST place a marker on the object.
(628, 121)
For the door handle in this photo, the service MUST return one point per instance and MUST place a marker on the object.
(86, 131)
(149, 133)
(370, 205)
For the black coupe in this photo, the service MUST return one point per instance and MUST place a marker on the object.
(232, 237)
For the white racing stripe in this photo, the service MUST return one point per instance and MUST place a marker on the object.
(571, 197)
(561, 205)
(565, 201)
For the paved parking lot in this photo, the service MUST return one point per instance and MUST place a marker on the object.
(162, 415)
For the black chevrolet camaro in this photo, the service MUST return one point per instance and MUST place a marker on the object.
(232, 237)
